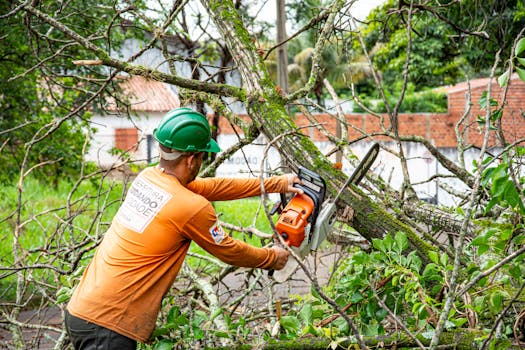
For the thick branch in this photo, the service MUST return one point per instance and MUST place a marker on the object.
(107, 60)
(462, 339)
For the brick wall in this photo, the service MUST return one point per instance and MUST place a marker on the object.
(512, 120)
(437, 127)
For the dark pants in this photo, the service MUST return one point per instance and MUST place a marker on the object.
(85, 335)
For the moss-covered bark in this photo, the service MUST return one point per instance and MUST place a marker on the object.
(267, 110)
(462, 339)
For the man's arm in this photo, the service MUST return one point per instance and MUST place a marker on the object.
(204, 229)
(220, 189)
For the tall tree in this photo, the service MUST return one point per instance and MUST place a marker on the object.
(30, 109)
(450, 40)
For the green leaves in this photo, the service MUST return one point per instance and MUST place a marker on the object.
(520, 47)
(393, 273)
(482, 242)
(519, 63)
(504, 78)
(180, 326)
(487, 103)
(302, 323)
(398, 244)
(521, 73)
(503, 189)
(64, 294)
(290, 324)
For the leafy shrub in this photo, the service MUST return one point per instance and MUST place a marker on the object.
(426, 101)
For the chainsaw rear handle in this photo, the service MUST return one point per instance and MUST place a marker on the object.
(279, 205)
(311, 183)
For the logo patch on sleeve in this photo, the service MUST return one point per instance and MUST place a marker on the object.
(217, 232)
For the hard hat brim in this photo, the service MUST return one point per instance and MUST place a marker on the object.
(213, 147)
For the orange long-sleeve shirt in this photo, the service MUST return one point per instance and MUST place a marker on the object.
(143, 250)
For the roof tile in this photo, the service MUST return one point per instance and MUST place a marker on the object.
(147, 95)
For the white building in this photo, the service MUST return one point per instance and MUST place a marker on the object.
(148, 101)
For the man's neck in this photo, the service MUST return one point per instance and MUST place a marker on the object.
(169, 169)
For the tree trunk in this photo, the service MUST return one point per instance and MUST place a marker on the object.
(266, 107)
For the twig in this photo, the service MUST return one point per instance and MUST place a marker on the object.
(500, 317)
(250, 230)
(451, 295)
(398, 321)
(491, 270)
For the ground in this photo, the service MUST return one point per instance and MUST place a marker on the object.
(320, 264)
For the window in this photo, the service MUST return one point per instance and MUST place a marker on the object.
(127, 139)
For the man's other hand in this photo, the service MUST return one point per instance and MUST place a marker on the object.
(281, 257)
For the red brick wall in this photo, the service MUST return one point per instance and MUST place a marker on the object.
(437, 127)
(126, 139)
(513, 121)
(423, 124)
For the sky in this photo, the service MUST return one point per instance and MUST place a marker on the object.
(360, 9)
(266, 10)
(363, 7)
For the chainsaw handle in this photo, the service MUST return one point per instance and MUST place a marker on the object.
(279, 205)
(283, 200)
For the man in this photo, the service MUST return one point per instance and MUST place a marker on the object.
(119, 296)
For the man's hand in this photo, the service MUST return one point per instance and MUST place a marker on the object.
(294, 179)
(281, 257)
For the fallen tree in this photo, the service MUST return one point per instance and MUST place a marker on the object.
(406, 269)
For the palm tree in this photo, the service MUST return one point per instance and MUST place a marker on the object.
(336, 66)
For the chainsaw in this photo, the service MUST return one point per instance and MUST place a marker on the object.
(307, 218)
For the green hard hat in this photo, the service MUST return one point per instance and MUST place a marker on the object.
(185, 130)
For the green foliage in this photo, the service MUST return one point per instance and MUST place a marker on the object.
(395, 277)
(425, 101)
(433, 60)
(519, 63)
(504, 187)
(491, 105)
(43, 99)
(20, 103)
(504, 183)
(440, 54)
(410, 291)
(182, 327)
(179, 329)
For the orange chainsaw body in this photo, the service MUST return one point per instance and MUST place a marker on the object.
(294, 218)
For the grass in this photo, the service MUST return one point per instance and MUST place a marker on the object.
(246, 213)
(43, 212)
(48, 227)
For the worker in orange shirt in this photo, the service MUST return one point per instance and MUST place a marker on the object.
(118, 298)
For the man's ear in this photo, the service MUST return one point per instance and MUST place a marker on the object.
(189, 160)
